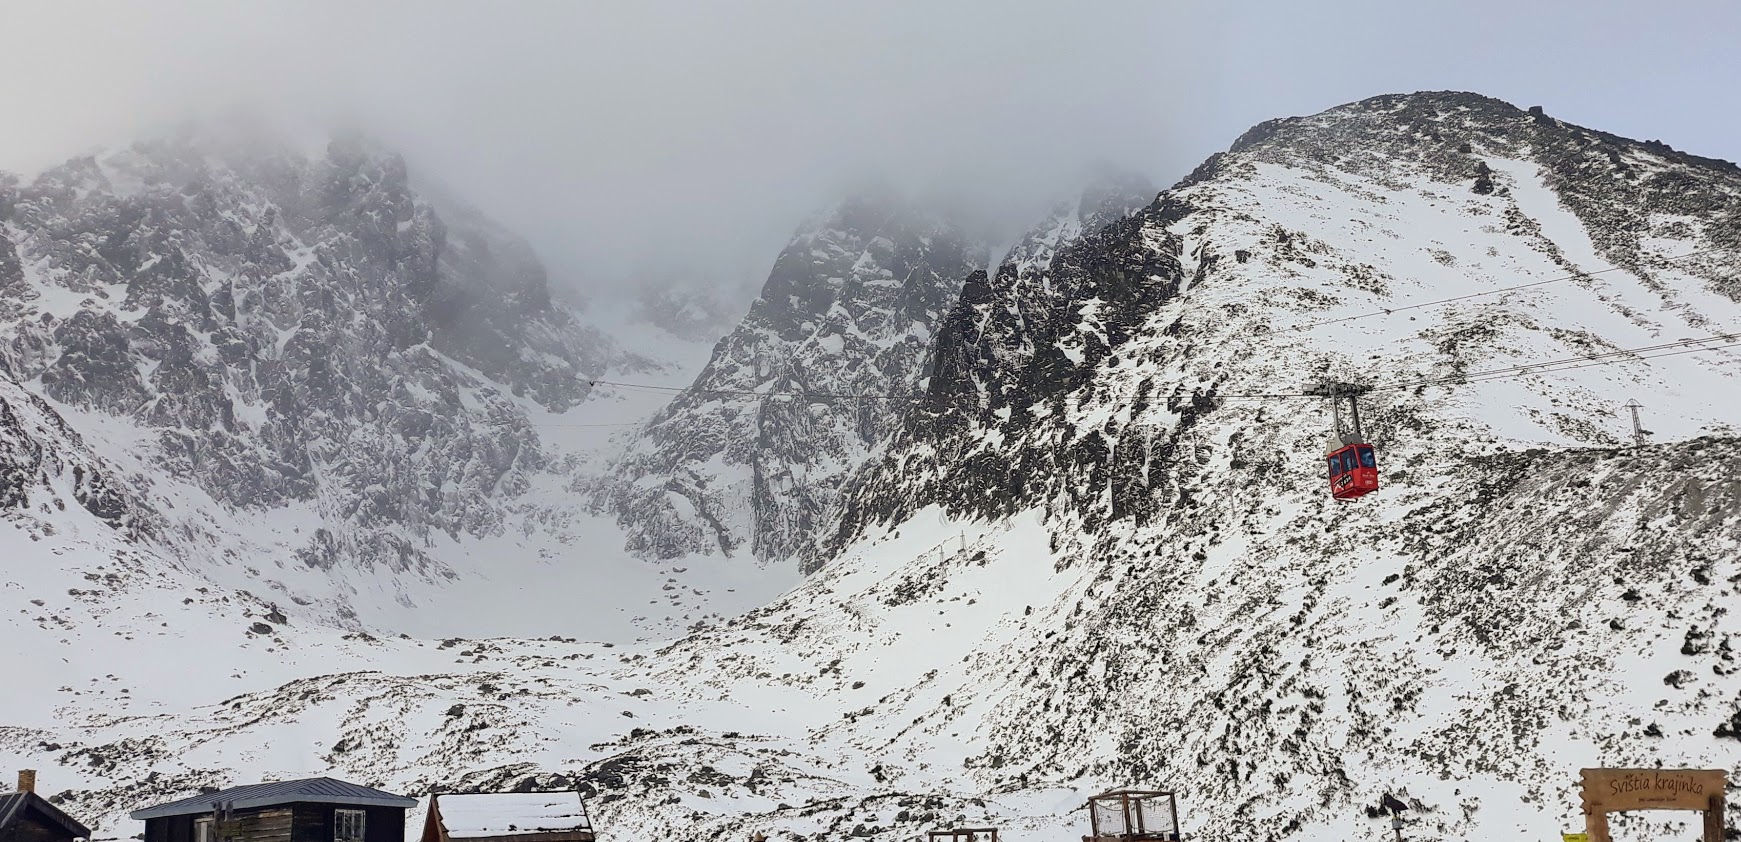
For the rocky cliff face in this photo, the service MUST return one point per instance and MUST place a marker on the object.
(737, 465)
(46, 467)
(291, 335)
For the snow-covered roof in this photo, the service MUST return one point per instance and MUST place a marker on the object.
(511, 814)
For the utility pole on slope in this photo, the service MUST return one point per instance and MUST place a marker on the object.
(1638, 432)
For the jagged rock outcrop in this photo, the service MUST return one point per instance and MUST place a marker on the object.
(737, 465)
(45, 467)
(283, 330)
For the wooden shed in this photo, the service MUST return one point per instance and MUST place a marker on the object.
(307, 810)
(507, 817)
(28, 817)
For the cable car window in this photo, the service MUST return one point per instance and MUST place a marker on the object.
(1366, 458)
(1335, 466)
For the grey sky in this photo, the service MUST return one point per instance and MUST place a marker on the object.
(690, 138)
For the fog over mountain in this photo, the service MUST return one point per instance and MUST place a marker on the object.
(688, 140)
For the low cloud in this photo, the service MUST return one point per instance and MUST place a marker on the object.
(653, 139)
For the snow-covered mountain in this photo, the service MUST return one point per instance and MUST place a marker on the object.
(323, 385)
(1097, 550)
(1523, 598)
(746, 460)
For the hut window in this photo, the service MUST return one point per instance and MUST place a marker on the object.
(347, 826)
(202, 830)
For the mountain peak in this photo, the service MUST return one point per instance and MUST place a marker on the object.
(849, 307)
(1422, 119)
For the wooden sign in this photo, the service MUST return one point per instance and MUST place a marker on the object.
(1651, 789)
(1613, 790)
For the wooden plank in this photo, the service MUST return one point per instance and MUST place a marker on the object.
(272, 825)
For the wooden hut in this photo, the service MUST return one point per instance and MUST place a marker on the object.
(307, 810)
(27, 817)
(507, 817)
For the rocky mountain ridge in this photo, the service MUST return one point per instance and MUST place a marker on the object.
(1093, 399)
(305, 343)
(46, 467)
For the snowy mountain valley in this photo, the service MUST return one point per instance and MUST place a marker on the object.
(305, 471)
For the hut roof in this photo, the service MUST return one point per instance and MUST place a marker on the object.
(15, 805)
(511, 814)
(317, 790)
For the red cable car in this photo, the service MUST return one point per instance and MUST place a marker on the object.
(1353, 471)
(1353, 463)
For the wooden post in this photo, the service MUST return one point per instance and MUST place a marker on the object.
(1714, 818)
(1596, 825)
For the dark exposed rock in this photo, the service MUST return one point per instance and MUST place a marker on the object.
(41, 454)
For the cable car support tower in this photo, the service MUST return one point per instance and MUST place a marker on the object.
(1344, 399)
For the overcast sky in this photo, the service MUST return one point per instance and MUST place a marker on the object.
(631, 137)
